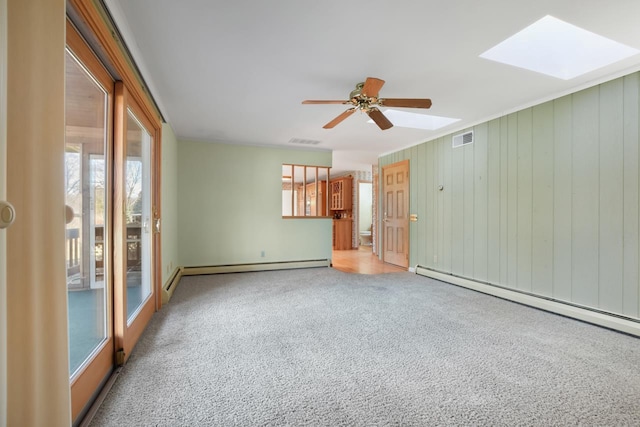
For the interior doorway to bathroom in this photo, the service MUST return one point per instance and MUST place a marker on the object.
(365, 213)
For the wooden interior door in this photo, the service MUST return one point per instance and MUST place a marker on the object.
(395, 214)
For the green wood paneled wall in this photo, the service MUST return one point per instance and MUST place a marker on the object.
(546, 200)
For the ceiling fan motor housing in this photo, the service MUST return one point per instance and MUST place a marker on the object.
(357, 91)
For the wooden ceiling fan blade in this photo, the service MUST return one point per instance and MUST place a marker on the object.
(340, 118)
(372, 86)
(316, 101)
(380, 119)
(405, 102)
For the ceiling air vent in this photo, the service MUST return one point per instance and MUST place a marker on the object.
(303, 141)
(463, 139)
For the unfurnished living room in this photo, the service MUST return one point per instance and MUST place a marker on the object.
(323, 214)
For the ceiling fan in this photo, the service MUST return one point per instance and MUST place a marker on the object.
(365, 98)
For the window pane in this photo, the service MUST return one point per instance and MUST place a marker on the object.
(137, 215)
(85, 180)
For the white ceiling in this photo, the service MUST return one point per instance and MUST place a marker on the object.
(237, 71)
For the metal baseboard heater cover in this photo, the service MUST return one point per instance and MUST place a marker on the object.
(170, 286)
(267, 266)
(608, 320)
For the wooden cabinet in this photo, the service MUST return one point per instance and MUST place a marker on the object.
(316, 204)
(342, 234)
(341, 194)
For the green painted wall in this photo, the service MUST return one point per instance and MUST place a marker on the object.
(230, 208)
(546, 200)
(169, 201)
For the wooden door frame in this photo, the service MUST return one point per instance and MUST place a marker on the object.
(382, 206)
(3, 195)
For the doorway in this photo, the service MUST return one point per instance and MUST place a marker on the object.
(365, 213)
(395, 216)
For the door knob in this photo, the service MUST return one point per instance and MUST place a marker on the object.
(7, 214)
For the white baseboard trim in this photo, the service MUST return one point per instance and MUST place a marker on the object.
(241, 268)
(612, 321)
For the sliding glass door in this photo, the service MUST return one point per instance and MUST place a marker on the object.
(135, 299)
(112, 220)
(88, 106)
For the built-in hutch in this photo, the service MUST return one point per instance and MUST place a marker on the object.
(341, 208)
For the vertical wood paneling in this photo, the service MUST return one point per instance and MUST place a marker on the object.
(414, 228)
(468, 208)
(611, 196)
(512, 201)
(428, 218)
(447, 208)
(481, 134)
(457, 210)
(525, 197)
(542, 216)
(504, 205)
(440, 203)
(562, 197)
(631, 124)
(586, 188)
(423, 170)
(493, 201)
(546, 200)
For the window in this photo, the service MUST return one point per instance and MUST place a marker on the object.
(305, 191)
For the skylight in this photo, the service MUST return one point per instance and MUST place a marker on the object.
(416, 121)
(558, 49)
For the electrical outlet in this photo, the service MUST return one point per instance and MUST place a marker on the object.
(262, 254)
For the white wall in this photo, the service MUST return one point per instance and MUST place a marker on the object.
(230, 207)
(546, 200)
(169, 200)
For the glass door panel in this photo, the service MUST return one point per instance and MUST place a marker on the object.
(138, 215)
(86, 207)
(134, 197)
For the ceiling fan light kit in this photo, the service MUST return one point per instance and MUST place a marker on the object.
(365, 98)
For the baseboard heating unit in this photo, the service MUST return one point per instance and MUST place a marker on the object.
(265, 266)
(613, 321)
(170, 286)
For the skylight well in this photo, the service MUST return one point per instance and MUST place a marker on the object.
(553, 47)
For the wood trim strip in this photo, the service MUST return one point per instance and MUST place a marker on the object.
(119, 242)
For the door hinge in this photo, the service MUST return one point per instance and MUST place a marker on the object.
(120, 357)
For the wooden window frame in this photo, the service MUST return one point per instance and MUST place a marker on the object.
(304, 187)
